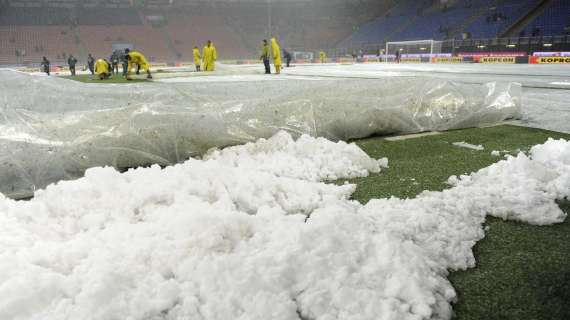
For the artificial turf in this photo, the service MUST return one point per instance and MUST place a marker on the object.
(523, 271)
(87, 78)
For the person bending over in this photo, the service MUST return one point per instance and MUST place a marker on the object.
(102, 69)
(136, 58)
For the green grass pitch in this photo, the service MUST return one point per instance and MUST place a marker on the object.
(523, 271)
(87, 78)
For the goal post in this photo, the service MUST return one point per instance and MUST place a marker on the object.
(412, 51)
(303, 56)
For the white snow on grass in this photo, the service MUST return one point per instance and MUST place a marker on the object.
(464, 144)
(496, 153)
(307, 158)
(252, 232)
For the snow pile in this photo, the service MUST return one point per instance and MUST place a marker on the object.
(307, 158)
(251, 233)
(464, 144)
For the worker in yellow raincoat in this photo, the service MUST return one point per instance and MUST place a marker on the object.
(209, 56)
(276, 51)
(102, 69)
(323, 56)
(136, 58)
(197, 58)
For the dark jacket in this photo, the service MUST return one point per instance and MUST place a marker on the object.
(71, 61)
(45, 64)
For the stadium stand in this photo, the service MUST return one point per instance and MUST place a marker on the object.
(555, 20)
(499, 17)
(479, 19)
(434, 22)
(34, 16)
(25, 37)
(27, 44)
(195, 31)
(107, 16)
(314, 27)
(166, 31)
(380, 29)
(98, 40)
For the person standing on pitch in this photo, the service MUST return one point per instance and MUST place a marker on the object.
(197, 58)
(45, 65)
(287, 56)
(276, 51)
(91, 63)
(71, 61)
(115, 62)
(265, 56)
(110, 60)
(125, 62)
(322, 56)
(209, 56)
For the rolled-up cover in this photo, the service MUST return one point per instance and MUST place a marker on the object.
(54, 129)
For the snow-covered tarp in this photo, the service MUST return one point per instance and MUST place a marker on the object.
(252, 232)
(54, 129)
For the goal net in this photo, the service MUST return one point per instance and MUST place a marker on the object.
(303, 56)
(412, 51)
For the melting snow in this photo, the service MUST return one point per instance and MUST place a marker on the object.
(252, 232)
(464, 144)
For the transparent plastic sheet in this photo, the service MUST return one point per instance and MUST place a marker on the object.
(53, 129)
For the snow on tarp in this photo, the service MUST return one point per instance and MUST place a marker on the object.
(54, 129)
(250, 232)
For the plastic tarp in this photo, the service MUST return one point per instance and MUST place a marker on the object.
(54, 129)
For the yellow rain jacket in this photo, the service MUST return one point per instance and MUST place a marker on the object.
(323, 56)
(138, 59)
(210, 56)
(101, 67)
(197, 57)
(276, 52)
